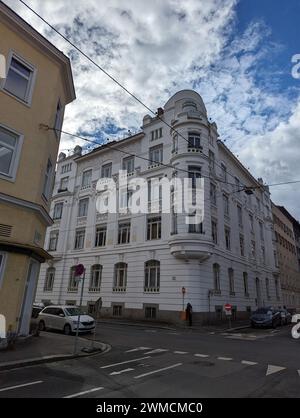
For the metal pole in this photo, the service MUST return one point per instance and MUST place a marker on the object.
(78, 320)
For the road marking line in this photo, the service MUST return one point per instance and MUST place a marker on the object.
(75, 395)
(180, 352)
(121, 372)
(201, 355)
(138, 349)
(274, 369)
(124, 362)
(158, 350)
(225, 358)
(21, 386)
(249, 363)
(159, 370)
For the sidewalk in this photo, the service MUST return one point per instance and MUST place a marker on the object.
(46, 348)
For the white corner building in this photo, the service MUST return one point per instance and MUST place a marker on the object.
(151, 266)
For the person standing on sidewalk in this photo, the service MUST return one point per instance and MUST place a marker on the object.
(189, 314)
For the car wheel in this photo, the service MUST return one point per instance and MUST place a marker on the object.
(67, 329)
(42, 326)
(252, 325)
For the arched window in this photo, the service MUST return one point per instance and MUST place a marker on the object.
(231, 280)
(49, 280)
(120, 279)
(73, 282)
(152, 276)
(95, 279)
(216, 271)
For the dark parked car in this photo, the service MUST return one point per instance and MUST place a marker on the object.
(266, 317)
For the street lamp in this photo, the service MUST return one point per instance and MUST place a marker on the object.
(79, 271)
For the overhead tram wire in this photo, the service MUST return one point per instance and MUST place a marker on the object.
(114, 79)
(113, 146)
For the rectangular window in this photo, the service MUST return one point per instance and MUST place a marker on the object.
(58, 210)
(100, 240)
(79, 239)
(83, 207)
(156, 155)
(63, 184)
(194, 174)
(240, 216)
(59, 117)
(245, 280)
(195, 228)
(253, 251)
(117, 310)
(258, 204)
(10, 144)
(20, 78)
(194, 141)
(231, 281)
(227, 238)
(211, 158)
(2, 265)
(106, 171)
(86, 179)
(214, 231)
(237, 184)
(124, 233)
(263, 255)
(261, 231)
(224, 172)
(277, 289)
(47, 188)
(158, 133)
(226, 205)
(251, 223)
(53, 240)
(242, 245)
(150, 312)
(154, 228)
(128, 165)
(268, 289)
(213, 194)
(66, 168)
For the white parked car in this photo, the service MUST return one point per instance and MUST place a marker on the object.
(64, 318)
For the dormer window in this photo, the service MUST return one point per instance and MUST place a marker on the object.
(194, 141)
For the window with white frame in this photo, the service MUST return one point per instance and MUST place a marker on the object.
(10, 144)
(120, 278)
(156, 134)
(224, 172)
(194, 140)
(73, 281)
(195, 228)
(100, 240)
(214, 231)
(231, 280)
(83, 207)
(106, 171)
(86, 179)
(216, 272)
(242, 245)
(59, 117)
(125, 199)
(2, 265)
(66, 168)
(194, 173)
(49, 279)
(20, 79)
(154, 195)
(79, 239)
(58, 210)
(156, 155)
(95, 280)
(63, 184)
(47, 188)
(227, 238)
(245, 281)
(226, 204)
(152, 276)
(53, 240)
(175, 144)
(154, 228)
(128, 165)
(213, 194)
(124, 233)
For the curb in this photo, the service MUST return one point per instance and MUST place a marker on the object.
(146, 325)
(11, 365)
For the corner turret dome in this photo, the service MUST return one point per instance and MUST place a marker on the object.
(189, 100)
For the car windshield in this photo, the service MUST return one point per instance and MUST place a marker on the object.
(73, 311)
(263, 311)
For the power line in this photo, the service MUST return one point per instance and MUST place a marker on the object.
(113, 78)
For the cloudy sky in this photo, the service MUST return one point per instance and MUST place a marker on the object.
(236, 54)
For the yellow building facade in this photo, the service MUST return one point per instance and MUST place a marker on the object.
(37, 86)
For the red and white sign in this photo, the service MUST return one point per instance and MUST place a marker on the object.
(228, 307)
(183, 290)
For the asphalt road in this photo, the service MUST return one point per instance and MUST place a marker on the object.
(147, 362)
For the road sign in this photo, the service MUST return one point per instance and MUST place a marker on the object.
(228, 307)
(79, 270)
(183, 290)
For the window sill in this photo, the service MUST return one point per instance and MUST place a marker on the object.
(23, 102)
